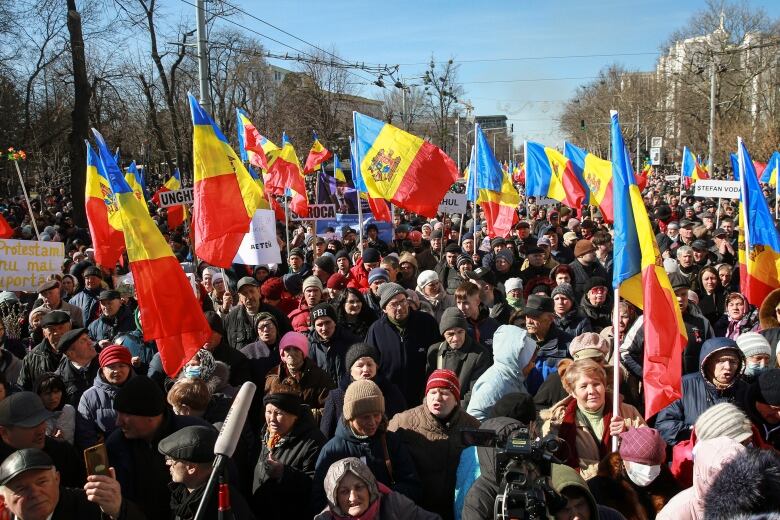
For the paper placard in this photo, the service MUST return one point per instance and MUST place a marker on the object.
(176, 197)
(716, 189)
(26, 264)
(319, 212)
(672, 178)
(453, 203)
(259, 246)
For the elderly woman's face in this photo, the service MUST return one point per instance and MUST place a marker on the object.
(589, 392)
(352, 495)
(736, 308)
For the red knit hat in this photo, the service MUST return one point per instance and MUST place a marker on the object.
(272, 288)
(337, 281)
(443, 378)
(114, 354)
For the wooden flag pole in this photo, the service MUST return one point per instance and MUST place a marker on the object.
(27, 198)
(616, 362)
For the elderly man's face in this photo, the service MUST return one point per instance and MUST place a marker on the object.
(685, 259)
(34, 494)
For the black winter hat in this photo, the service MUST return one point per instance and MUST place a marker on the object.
(326, 263)
(322, 310)
(768, 386)
(140, 396)
(596, 281)
(360, 350)
(215, 322)
(451, 318)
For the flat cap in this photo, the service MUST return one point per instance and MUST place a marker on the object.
(55, 318)
(247, 280)
(23, 409)
(108, 294)
(23, 460)
(93, 271)
(69, 338)
(45, 286)
(191, 444)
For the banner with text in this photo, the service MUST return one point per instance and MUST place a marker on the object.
(259, 245)
(385, 229)
(319, 212)
(26, 264)
(176, 197)
(716, 189)
(453, 203)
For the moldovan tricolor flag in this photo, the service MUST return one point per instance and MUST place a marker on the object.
(500, 206)
(378, 207)
(759, 259)
(285, 174)
(639, 273)
(170, 313)
(105, 225)
(402, 168)
(225, 194)
(692, 171)
(317, 155)
(176, 214)
(254, 148)
(548, 173)
(595, 175)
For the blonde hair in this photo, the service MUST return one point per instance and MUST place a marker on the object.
(582, 367)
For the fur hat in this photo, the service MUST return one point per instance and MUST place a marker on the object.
(766, 314)
(363, 396)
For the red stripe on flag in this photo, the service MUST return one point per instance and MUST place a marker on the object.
(218, 239)
(425, 182)
(107, 241)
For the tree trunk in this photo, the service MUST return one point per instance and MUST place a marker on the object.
(79, 116)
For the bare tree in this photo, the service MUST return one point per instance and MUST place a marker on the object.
(443, 91)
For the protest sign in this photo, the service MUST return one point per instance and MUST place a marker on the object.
(453, 203)
(176, 197)
(259, 245)
(716, 189)
(319, 212)
(545, 201)
(26, 264)
(385, 228)
(672, 178)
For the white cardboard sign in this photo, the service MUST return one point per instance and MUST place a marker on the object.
(716, 189)
(453, 203)
(176, 197)
(259, 246)
(26, 264)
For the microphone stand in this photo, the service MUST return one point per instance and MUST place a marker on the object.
(217, 475)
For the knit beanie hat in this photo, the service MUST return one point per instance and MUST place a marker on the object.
(363, 396)
(388, 291)
(513, 283)
(272, 289)
(337, 281)
(464, 259)
(114, 354)
(297, 340)
(292, 282)
(753, 344)
(723, 420)
(768, 387)
(643, 446)
(140, 396)
(322, 310)
(565, 289)
(312, 281)
(285, 400)
(326, 263)
(378, 273)
(371, 255)
(506, 254)
(408, 258)
(443, 378)
(360, 350)
(452, 318)
(425, 278)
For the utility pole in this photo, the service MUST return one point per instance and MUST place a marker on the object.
(711, 136)
(637, 140)
(457, 131)
(203, 58)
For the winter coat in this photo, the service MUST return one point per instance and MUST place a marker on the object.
(76, 315)
(562, 477)
(612, 487)
(240, 328)
(42, 358)
(374, 452)
(483, 328)
(96, 415)
(512, 351)
(550, 392)
(108, 327)
(63, 420)
(769, 326)
(184, 504)
(675, 422)
(710, 458)
(73, 503)
(392, 505)
(288, 497)
(87, 301)
(313, 385)
(300, 318)
(436, 306)
(329, 355)
(551, 350)
(140, 467)
(598, 317)
(334, 404)
(584, 452)
(581, 274)
(235, 361)
(469, 362)
(403, 351)
(10, 366)
(712, 305)
(260, 359)
(573, 323)
(358, 276)
(77, 381)
(435, 447)
(770, 433)
(725, 327)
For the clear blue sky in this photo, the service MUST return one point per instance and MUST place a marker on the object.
(407, 32)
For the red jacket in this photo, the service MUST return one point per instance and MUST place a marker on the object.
(358, 276)
(299, 318)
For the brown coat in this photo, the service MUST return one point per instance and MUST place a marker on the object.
(313, 385)
(585, 449)
(435, 448)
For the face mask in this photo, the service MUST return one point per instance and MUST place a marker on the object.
(516, 303)
(640, 474)
(754, 370)
(192, 371)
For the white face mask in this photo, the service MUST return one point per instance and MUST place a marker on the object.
(640, 474)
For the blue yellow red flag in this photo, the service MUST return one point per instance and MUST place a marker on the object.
(548, 173)
(769, 175)
(488, 173)
(105, 223)
(317, 155)
(133, 178)
(595, 175)
(402, 168)
(691, 169)
(169, 311)
(500, 206)
(640, 276)
(254, 148)
(378, 207)
(759, 245)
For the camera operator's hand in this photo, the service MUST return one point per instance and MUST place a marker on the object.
(617, 425)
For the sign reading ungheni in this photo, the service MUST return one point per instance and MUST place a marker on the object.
(26, 264)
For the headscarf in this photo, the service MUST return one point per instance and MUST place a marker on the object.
(338, 471)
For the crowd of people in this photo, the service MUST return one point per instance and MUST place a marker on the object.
(371, 359)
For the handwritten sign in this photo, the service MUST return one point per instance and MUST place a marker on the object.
(176, 197)
(259, 246)
(716, 189)
(26, 264)
(453, 203)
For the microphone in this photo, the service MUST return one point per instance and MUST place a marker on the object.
(226, 442)
(235, 420)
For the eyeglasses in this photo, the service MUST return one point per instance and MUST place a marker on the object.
(398, 304)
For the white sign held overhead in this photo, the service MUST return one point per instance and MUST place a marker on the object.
(259, 246)
(176, 197)
(26, 264)
(545, 201)
(453, 203)
(672, 178)
(716, 189)
(320, 212)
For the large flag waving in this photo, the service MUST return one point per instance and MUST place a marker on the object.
(692, 171)
(402, 168)
(378, 207)
(105, 224)
(317, 155)
(595, 175)
(487, 171)
(639, 272)
(225, 194)
(170, 314)
(759, 248)
(176, 214)
(548, 173)
(254, 148)
(499, 205)
(285, 174)
(769, 175)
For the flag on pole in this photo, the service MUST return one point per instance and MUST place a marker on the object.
(225, 194)
(170, 313)
(285, 174)
(105, 224)
(254, 148)
(317, 155)
(402, 168)
(639, 273)
(338, 173)
(595, 175)
(488, 171)
(378, 207)
(133, 178)
(692, 171)
(769, 175)
(471, 181)
(759, 247)
(176, 214)
(548, 173)
(499, 205)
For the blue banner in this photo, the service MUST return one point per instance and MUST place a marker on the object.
(341, 220)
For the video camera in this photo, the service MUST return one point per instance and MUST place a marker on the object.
(522, 471)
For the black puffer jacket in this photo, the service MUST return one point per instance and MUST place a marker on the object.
(77, 380)
(108, 327)
(329, 355)
(298, 451)
(43, 358)
(597, 318)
